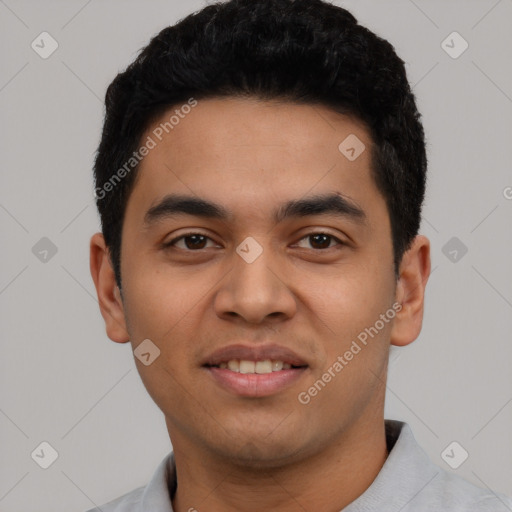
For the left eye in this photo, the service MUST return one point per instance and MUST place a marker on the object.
(197, 241)
(321, 239)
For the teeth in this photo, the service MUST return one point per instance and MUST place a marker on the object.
(260, 367)
(263, 366)
(247, 366)
(234, 365)
(277, 365)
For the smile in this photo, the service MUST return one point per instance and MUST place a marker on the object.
(255, 378)
(260, 367)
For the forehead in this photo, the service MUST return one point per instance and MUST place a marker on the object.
(248, 153)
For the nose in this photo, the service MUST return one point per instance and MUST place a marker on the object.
(256, 291)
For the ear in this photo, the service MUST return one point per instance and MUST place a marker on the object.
(109, 295)
(410, 292)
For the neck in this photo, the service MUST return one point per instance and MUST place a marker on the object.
(328, 480)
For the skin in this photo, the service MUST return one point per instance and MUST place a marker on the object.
(247, 454)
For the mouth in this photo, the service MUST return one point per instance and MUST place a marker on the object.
(255, 367)
(255, 371)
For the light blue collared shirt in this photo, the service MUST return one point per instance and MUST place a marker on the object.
(408, 482)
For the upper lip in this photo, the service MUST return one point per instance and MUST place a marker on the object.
(254, 353)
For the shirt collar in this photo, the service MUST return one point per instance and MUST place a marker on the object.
(158, 493)
(406, 472)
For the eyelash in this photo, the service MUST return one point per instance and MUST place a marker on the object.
(171, 243)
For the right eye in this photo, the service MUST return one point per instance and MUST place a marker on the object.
(193, 241)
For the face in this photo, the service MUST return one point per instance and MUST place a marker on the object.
(272, 307)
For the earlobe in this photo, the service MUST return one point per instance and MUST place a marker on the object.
(109, 296)
(410, 292)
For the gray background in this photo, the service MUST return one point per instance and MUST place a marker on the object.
(64, 382)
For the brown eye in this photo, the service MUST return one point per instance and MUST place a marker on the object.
(321, 241)
(192, 241)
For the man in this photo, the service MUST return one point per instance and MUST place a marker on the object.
(260, 180)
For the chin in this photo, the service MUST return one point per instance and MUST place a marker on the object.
(257, 456)
(262, 449)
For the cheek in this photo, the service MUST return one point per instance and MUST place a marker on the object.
(160, 300)
(167, 308)
(354, 338)
(162, 308)
(354, 301)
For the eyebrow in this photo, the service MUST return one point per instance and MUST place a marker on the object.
(174, 205)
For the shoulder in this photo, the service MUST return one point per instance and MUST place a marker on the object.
(156, 495)
(129, 502)
(410, 482)
(452, 492)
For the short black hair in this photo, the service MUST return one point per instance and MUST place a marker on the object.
(302, 51)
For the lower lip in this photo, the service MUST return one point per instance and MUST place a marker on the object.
(255, 384)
